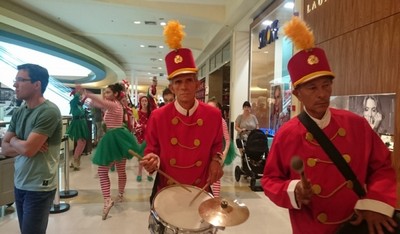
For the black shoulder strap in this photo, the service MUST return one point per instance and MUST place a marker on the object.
(332, 152)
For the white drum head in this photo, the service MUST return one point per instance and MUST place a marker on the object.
(172, 205)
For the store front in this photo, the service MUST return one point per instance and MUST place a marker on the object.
(270, 91)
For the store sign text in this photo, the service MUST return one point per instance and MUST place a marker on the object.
(315, 4)
(268, 35)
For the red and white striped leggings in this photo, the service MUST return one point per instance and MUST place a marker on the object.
(105, 179)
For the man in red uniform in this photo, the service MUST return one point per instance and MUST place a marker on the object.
(184, 139)
(322, 202)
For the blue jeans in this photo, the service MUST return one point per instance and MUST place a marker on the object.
(33, 209)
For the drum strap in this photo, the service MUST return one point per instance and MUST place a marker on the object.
(154, 190)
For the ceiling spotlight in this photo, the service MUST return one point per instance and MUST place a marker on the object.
(142, 46)
(161, 47)
(163, 23)
(136, 22)
(266, 22)
(289, 5)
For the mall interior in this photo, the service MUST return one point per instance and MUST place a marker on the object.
(247, 62)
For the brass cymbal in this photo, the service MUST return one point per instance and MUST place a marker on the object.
(221, 212)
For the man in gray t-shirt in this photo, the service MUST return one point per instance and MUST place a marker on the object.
(34, 138)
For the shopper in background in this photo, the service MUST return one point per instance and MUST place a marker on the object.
(140, 126)
(113, 147)
(245, 122)
(33, 138)
(77, 130)
(322, 199)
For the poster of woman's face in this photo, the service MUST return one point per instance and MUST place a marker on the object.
(377, 109)
(276, 101)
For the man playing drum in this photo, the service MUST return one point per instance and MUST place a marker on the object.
(184, 139)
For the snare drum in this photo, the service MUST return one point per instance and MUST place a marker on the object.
(171, 213)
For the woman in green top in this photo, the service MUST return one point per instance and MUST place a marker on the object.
(77, 130)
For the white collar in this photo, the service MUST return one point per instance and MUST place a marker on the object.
(322, 123)
(185, 112)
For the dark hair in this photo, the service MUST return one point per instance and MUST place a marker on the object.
(217, 104)
(36, 73)
(117, 88)
(246, 103)
(148, 105)
(166, 91)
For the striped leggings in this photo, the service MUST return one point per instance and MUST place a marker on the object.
(105, 179)
(216, 188)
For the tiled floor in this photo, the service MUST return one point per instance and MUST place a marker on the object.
(131, 216)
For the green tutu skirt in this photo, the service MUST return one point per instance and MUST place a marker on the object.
(231, 155)
(78, 129)
(114, 146)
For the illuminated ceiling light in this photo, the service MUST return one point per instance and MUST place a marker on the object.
(137, 22)
(258, 89)
(163, 23)
(142, 46)
(161, 47)
(160, 59)
(267, 22)
(289, 5)
(159, 68)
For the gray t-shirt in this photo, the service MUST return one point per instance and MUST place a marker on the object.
(38, 173)
(249, 123)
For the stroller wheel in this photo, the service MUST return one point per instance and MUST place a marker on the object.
(238, 172)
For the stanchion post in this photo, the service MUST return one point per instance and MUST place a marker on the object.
(67, 193)
(58, 206)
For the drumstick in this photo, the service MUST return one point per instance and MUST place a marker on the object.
(198, 194)
(133, 153)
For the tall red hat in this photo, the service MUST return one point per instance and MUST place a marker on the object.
(179, 60)
(310, 62)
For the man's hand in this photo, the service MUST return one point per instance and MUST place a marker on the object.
(377, 222)
(215, 172)
(149, 162)
(303, 192)
(44, 147)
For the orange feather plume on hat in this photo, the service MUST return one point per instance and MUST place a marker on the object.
(300, 34)
(174, 34)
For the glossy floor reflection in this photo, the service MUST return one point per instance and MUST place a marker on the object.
(131, 216)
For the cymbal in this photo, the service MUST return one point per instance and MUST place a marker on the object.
(222, 212)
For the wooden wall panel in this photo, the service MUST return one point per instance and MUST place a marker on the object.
(366, 60)
(336, 17)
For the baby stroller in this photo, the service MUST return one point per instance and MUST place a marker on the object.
(254, 147)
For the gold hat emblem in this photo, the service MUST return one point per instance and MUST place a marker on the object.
(178, 59)
(312, 59)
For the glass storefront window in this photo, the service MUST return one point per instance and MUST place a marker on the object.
(269, 79)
